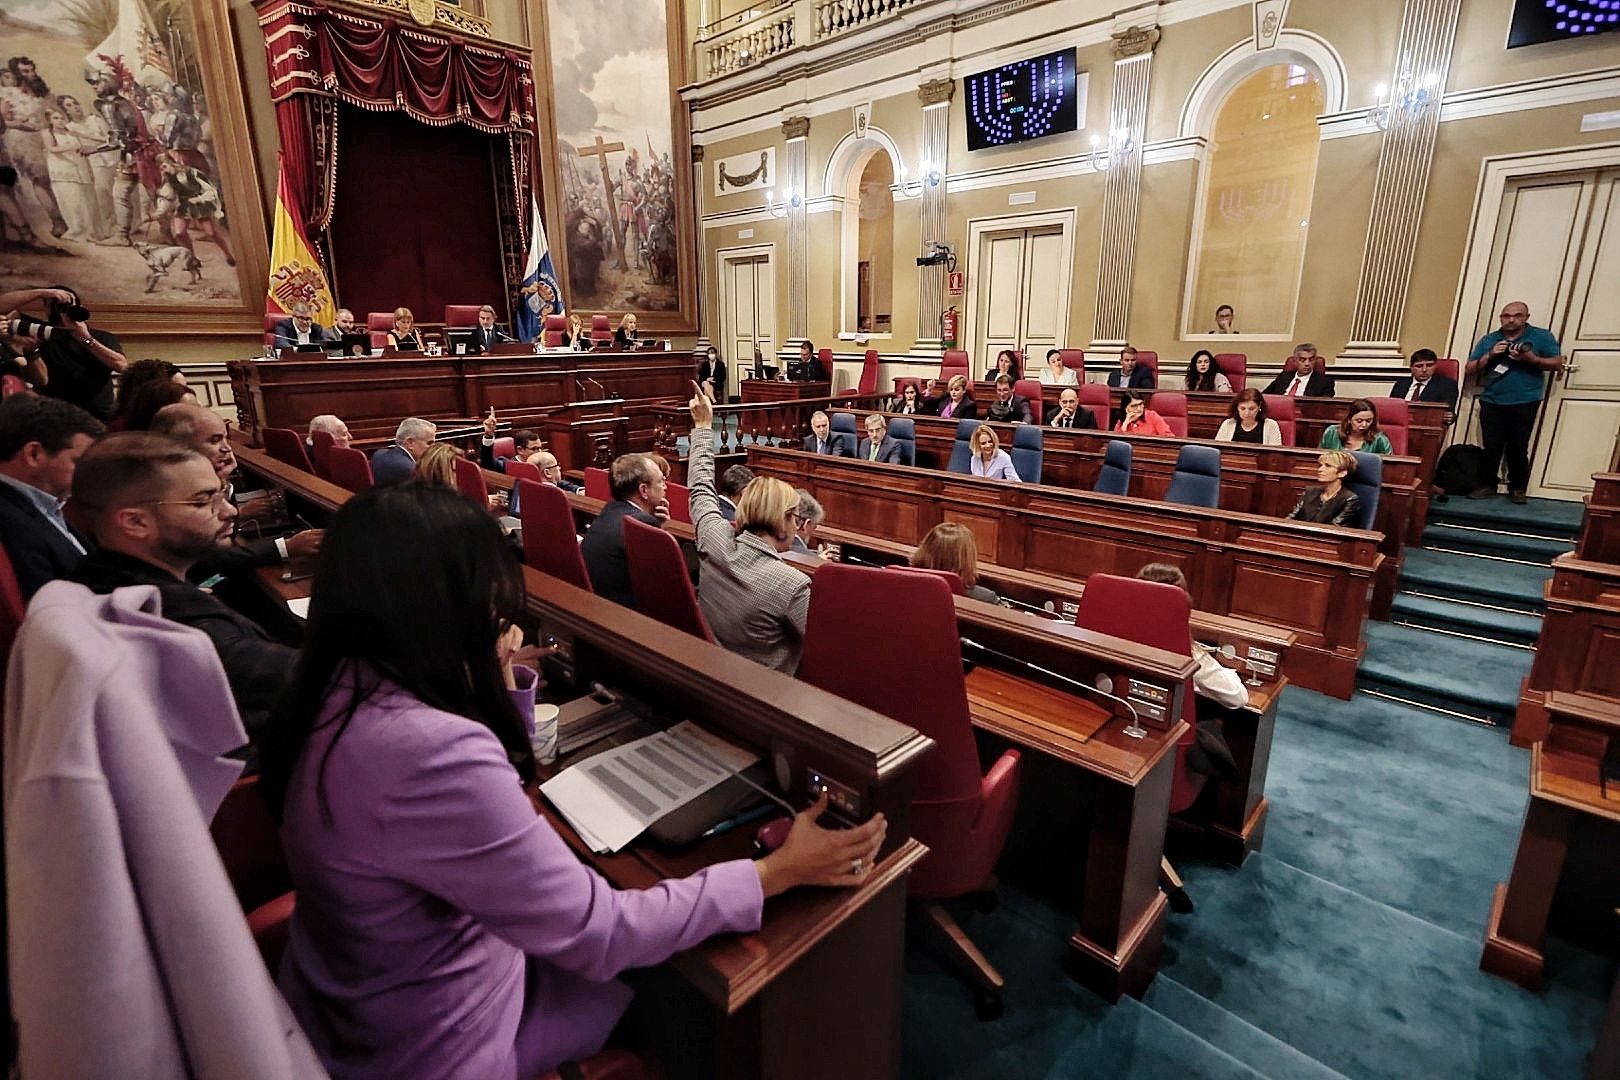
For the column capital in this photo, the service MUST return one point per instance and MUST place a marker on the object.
(796, 127)
(1135, 41)
(697, 153)
(936, 92)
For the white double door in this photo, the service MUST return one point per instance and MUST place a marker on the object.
(1556, 246)
(748, 309)
(1020, 271)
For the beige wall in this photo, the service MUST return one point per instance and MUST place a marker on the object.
(1364, 36)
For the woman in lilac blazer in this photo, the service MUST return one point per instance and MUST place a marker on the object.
(443, 928)
(988, 458)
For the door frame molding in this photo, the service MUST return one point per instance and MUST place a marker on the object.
(741, 253)
(1495, 175)
(1064, 217)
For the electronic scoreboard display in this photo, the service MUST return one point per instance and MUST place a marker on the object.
(1017, 102)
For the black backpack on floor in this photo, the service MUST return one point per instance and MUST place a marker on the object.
(1461, 469)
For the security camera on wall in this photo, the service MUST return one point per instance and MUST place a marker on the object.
(938, 255)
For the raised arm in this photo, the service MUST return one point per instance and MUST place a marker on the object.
(714, 532)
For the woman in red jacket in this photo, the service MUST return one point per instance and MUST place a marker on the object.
(1141, 420)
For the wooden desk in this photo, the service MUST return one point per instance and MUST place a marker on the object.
(1564, 784)
(1313, 580)
(1579, 646)
(1600, 526)
(755, 391)
(372, 394)
(1266, 480)
(824, 959)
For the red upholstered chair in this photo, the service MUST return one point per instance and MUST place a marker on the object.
(248, 841)
(1149, 360)
(1448, 367)
(949, 577)
(600, 330)
(521, 470)
(679, 497)
(1394, 420)
(1159, 616)
(11, 610)
(1031, 389)
(470, 481)
(1235, 366)
(556, 326)
(660, 580)
(12, 384)
(549, 542)
(349, 468)
(598, 485)
(270, 322)
(1095, 396)
(286, 447)
(379, 321)
(1075, 361)
(869, 373)
(1172, 406)
(962, 815)
(504, 447)
(270, 924)
(1280, 407)
(955, 362)
(826, 358)
(461, 315)
(321, 443)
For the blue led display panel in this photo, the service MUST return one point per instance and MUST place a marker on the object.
(1536, 21)
(1029, 99)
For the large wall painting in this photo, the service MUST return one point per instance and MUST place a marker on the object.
(118, 174)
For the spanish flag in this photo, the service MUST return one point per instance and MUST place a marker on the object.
(295, 272)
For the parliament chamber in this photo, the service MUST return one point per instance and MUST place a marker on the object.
(903, 538)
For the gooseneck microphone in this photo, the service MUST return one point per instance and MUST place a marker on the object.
(1135, 729)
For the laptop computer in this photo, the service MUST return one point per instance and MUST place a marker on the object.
(354, 344)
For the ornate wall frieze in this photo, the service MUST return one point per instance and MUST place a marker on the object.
(1135, 41)
(936, 92)
(796, 127)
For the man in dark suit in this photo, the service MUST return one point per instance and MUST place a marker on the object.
(1009, 408)
(1424, 385)
(1308, 379)
(157, 508)
(822, 439)
(486, 335)
(639, 491)
(730, 489)
(879, 445)
(41, 441)
(395, 464)
(1131, 375)
(299, 329)
(1069, 413)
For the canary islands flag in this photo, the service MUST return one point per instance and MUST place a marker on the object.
(539, 294)
(295, 273)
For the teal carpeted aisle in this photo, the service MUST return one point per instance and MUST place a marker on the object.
(1349, 947)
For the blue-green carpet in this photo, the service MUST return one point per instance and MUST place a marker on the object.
(1348, 947)
(1544, 517)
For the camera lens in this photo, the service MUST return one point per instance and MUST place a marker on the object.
(77, 312)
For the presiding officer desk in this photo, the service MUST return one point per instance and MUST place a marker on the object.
(1115, 948)
(1313, 580)
(825, 960)
(1255, 479)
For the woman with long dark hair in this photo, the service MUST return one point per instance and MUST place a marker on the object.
(443, 928)
(1204, 374)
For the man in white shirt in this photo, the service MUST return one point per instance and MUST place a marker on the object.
(1308, 379)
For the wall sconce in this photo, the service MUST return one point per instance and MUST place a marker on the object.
(791, 200)
(927, 178)
(1409, 101)
(1120, 144)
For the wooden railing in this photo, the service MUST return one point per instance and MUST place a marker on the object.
(737, 427)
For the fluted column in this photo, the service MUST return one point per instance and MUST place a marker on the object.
(935, 96)
(1122, 190)
(1428, 30)
(796, 129)
(699, 196)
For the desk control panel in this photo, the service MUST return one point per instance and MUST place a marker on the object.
(1151, 700)
(1262, 661)
(840, 797)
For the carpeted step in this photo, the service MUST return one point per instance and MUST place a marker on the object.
(1468, 677)
(1471, 577)
(1492, 624)
(1540, 517)
(1232, 1034)
(1539, 550)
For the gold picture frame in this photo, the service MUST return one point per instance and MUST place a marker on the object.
(643, 264)
(218, 298)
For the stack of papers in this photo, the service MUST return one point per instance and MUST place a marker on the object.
(611, 798)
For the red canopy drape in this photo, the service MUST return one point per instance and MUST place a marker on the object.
(319, 55)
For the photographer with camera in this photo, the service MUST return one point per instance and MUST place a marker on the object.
(1512, 362)
(78, 362)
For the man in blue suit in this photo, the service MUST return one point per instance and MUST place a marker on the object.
(299, 329)
(395, 464)
(1131, 375)
(41, 440)
(879, 445)
(823, 440)
(1424, 385)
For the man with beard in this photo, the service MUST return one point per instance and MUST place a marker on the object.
(156, 509)
(25, 97)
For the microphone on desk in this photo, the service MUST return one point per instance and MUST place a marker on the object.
(1134, 729)
(601, 390)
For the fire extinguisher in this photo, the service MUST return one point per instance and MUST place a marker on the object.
(948, 323)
